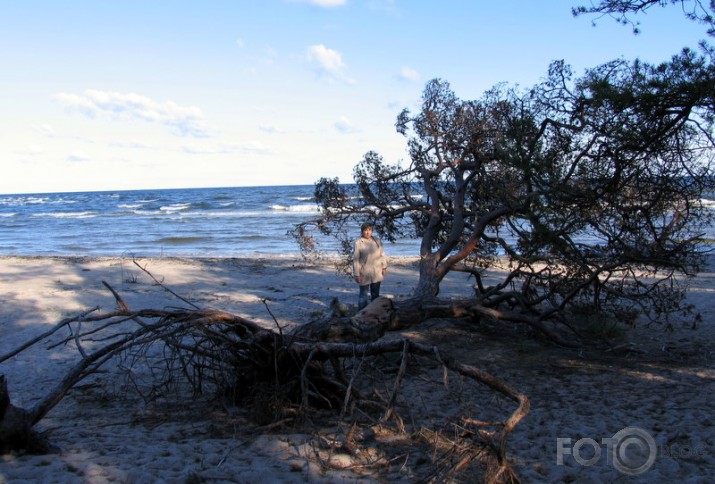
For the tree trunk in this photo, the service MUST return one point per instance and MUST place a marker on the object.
(430, 277)
(384, 314)
(378, 317)
(16, 432)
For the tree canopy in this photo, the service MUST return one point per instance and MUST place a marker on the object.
(590, 189)
(624, 10)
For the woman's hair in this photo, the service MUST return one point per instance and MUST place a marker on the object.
(366, 225)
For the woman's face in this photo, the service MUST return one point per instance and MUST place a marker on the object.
(367, 232)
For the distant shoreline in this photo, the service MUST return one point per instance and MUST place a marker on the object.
(262, 257)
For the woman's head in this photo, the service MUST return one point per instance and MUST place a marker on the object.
(366, 229)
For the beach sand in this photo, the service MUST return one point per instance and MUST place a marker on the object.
(658, 379)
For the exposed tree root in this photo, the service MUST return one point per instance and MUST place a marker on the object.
(285, 376)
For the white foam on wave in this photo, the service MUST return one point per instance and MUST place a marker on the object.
(175, 207)
(295, 208)
(67, 215)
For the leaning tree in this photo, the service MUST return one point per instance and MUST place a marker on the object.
(590, 190)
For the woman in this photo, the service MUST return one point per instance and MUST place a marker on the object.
(369, 265)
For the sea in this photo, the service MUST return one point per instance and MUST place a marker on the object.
(191, 222)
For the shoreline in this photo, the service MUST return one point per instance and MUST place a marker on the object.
(400, 259)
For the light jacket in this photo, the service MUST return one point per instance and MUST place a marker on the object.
(369, 260)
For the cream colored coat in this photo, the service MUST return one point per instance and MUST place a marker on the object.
(369, 260)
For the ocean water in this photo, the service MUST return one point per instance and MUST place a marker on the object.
(196, 222)
(200, 222)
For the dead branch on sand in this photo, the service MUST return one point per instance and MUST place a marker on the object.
(336, 364)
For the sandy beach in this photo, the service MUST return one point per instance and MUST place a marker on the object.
(659, 379)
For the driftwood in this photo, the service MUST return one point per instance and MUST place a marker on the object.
(16, 432)
(306, 368)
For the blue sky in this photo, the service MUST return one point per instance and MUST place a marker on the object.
(100, 95)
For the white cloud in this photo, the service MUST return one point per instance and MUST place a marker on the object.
(270, 128)
(323, 3)
(409, 74)
(33, 150)
(132, 144)
(327, 59)
(254, 147)
(78, 156)
(45, 129)
(185, 121)
(328, 63)
(344, 125)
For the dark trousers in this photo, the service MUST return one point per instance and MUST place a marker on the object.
(368, 290)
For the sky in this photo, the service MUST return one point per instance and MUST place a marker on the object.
(137, 94)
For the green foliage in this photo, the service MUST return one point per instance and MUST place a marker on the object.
(597, 326)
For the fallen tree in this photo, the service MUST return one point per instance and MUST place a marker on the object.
(332, 364)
